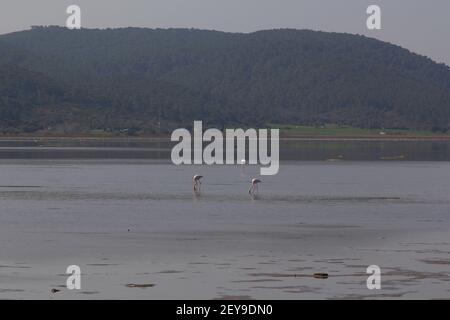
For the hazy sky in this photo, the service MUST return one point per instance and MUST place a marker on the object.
(419, 25)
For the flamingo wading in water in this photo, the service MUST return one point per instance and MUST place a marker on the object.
(254, 186)
(197, 182)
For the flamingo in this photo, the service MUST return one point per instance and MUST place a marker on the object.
(243, 163)
(197, 182)
(254, 186)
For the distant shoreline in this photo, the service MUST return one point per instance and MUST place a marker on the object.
(166, 138)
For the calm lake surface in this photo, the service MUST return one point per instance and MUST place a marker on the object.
(294, 149)
(128, 217)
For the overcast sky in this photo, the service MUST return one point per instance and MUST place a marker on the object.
(419, 25)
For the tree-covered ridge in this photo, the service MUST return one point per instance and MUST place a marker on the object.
(152, 80)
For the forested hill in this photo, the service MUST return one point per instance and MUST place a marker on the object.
(153, 80)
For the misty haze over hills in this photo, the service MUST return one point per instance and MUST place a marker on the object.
(154, 80)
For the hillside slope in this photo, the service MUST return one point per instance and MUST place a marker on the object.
(152, 80)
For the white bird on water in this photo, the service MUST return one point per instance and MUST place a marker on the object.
(254, 186)
(243, 163)
(197, 182)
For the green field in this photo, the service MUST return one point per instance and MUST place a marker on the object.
(346, 131)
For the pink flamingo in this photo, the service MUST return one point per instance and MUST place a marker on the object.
(254, 186)
(197, 182)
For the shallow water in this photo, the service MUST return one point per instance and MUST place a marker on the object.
(290, 149)
(137, 231)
